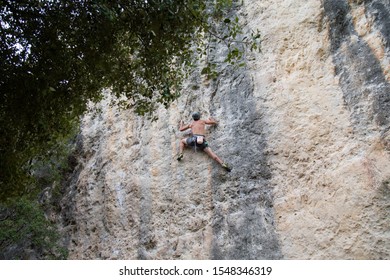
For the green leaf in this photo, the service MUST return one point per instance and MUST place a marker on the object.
(205, 70)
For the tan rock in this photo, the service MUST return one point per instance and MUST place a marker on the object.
(309, 181)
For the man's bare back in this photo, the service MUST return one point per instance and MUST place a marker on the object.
(198, 127)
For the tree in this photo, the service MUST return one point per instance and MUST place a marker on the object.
(58, 54)
(25, 233)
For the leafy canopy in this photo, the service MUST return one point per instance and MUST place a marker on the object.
(58, 54)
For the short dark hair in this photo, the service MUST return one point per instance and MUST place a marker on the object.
(196, 116)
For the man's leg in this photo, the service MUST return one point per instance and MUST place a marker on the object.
(213, 155)
(183, 143)
(216, 158)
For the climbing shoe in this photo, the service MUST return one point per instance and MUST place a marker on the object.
(180, 156)
(227, 167)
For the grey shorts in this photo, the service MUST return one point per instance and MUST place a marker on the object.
(191, 141)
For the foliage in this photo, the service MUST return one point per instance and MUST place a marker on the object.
(56, 55)
(25, 230)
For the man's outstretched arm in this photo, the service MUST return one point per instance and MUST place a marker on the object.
(211, 120)
(183, 127)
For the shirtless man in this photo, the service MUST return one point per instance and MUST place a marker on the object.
(198, 138)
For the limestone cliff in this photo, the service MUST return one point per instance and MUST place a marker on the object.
(305, 125)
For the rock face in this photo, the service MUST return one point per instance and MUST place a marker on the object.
(305, 126)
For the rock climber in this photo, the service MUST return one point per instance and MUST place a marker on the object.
(197, 139)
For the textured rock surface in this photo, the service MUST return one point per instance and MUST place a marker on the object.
(305, 125)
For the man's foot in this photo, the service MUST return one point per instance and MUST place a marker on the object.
(180, 156)
(227, 167)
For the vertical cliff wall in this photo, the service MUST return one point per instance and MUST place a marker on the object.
(305, 126)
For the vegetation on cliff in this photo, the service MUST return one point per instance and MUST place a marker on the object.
(58, 55)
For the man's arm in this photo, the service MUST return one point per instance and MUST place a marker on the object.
(183, 127)
(211, 120)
